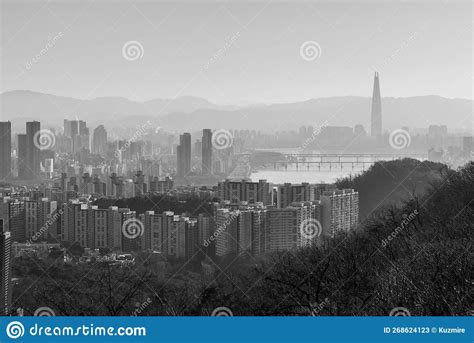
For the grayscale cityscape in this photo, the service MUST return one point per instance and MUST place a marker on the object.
(259, 158)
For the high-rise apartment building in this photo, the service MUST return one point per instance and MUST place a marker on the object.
(99, 141)
(206, 151)
(251, 192)
(5, 149)
(22, 166)
(184, 155)
(340, 210)
(6, 270)
(12, 212)
(32, 150)
(289, 193)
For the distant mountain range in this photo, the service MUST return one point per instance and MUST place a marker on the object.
(193, 113)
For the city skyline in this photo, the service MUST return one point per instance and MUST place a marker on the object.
(247, 158)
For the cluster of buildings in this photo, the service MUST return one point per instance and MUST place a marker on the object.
(250, 217)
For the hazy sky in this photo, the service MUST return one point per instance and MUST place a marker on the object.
(237, 52)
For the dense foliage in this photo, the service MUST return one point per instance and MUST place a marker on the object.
(390, 182)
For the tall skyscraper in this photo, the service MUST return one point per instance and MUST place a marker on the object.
(184, 155)
(376, 119)
(206, 151)
(32, 150)
(5, 149)
(6, 271)
(22, 168)
(99, 140)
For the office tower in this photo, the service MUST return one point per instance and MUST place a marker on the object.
(340, 210)
(6, 270)
(184, 155)
(22, 167)
(206, 151)
(252, 192)
(5, 149)
(99, 141)
(12, 212)
(32, 150)
(376, 118)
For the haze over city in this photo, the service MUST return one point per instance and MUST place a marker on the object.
(237, 158)
(228, 52)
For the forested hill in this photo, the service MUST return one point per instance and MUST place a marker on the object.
(392, 182)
